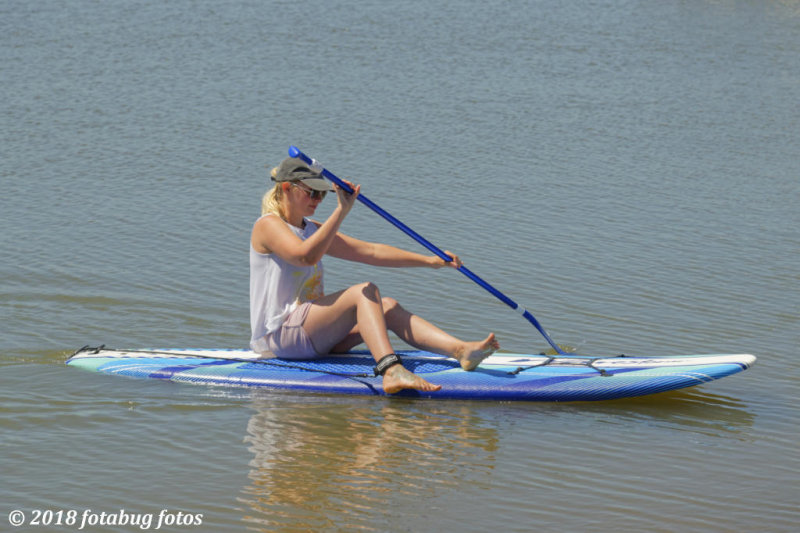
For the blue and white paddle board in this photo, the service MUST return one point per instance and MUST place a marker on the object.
(503, 376)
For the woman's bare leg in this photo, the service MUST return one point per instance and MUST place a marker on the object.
(423, 335)
(332, 318)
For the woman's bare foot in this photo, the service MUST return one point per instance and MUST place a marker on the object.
(471, 354)
(398, 377)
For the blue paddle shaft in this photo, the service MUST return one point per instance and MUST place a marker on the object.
(295, 152)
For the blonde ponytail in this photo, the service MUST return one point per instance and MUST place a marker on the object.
(272, 202)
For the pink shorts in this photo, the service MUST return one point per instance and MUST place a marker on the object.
(291, 341)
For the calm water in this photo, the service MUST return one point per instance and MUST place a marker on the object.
(629, 171)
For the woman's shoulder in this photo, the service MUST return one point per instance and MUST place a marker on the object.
(263, 228)
(267, 220)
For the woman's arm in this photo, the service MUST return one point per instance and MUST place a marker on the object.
(272, 235)
(384, 255)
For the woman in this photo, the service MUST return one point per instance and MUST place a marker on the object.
(291, 316)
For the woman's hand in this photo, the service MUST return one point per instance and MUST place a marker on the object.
(438, 262)
(346, 199)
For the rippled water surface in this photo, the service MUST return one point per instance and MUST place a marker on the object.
(628, 171)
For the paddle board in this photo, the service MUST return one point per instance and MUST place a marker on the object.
(502, 376)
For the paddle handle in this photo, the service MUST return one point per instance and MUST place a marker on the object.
(296, 152)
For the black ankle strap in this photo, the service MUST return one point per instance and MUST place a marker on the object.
(386, 362)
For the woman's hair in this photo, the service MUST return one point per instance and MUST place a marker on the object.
(272, 200)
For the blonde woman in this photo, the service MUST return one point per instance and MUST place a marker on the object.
(290, 314)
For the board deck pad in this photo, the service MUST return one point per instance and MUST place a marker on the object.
(502, 376)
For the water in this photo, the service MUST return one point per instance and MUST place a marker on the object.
(626, 170)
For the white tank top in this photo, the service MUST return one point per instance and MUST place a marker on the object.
(278, 287)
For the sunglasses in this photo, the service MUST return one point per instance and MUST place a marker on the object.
(312, 193)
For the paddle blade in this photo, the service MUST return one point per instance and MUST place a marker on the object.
(565, 348)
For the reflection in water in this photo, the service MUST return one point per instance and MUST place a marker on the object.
(690, 410)
(351, 463)
(324, 462)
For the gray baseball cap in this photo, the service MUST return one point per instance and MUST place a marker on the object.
(294, 170)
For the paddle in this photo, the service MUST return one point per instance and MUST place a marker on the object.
(295, 152)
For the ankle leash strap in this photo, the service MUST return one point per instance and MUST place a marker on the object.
(385, 362)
